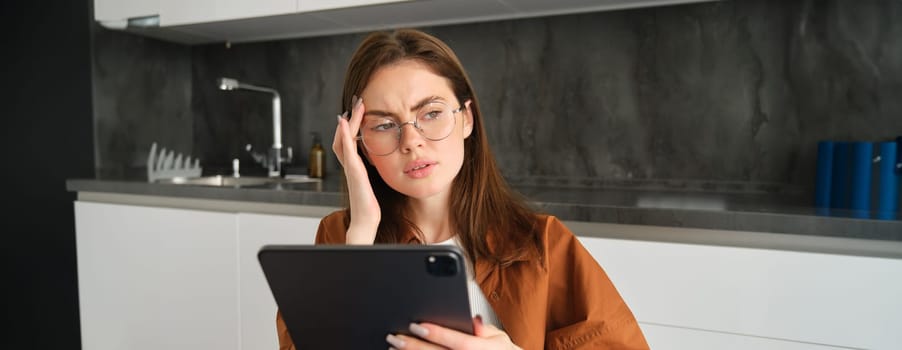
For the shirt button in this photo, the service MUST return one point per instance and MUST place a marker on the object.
(495, 295)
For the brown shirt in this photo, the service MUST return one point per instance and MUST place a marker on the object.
(562, 301)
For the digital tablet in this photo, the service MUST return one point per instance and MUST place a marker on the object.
(352, 297)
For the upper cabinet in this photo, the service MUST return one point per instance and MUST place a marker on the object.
(115, 13)
(209, 21)
(181, 12)
(321, 5)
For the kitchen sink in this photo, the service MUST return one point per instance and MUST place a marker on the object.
(244, 181)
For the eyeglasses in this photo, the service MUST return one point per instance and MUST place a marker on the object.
(382, 135)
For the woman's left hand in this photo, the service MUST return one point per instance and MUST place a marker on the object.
(437, 337)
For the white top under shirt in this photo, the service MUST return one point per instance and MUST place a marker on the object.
(479, 305)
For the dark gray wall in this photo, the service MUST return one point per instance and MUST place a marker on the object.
(726, 92)
(142, 94)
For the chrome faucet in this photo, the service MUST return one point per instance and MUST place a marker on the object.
(274, 159)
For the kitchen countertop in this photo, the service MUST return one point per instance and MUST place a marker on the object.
(675, 206)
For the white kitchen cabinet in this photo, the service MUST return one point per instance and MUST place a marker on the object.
(678, 338)
(258, 308)
(181, 12)
(738, 295)
(120, 10)
(320, 5)
(156, 278)
(152, 278)
(164, 278)
(208, 21)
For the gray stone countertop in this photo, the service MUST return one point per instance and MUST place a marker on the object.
(680, 208)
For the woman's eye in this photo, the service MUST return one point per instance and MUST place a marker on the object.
(386, 126)
(432, 115)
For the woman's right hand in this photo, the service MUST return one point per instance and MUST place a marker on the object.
(365, 212)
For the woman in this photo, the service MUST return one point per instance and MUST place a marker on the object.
(419, 171)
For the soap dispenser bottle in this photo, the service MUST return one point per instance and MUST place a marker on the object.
(316, 166)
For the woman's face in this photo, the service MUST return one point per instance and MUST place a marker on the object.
(419, 168)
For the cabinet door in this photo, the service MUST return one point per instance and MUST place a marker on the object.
(320, 5)
(180, 12)
(678, 338)
(156, 278)
(832, 300)
(118, 10)
(258, 308)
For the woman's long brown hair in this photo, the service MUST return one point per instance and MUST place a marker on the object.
(481, 202)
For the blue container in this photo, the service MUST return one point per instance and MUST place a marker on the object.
(841, 175)
(887, 180)
(899, 155)
(824, 174)
(860, 178)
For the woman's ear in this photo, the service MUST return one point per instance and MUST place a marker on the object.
(468, 119)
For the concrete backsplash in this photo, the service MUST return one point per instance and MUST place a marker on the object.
(734, 91)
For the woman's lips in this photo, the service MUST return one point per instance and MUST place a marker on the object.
(419, 168)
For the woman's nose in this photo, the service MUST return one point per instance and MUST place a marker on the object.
(410, 137)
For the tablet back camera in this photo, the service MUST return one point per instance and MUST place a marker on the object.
(441, 265)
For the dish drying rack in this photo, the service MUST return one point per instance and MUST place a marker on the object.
(167, 164)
